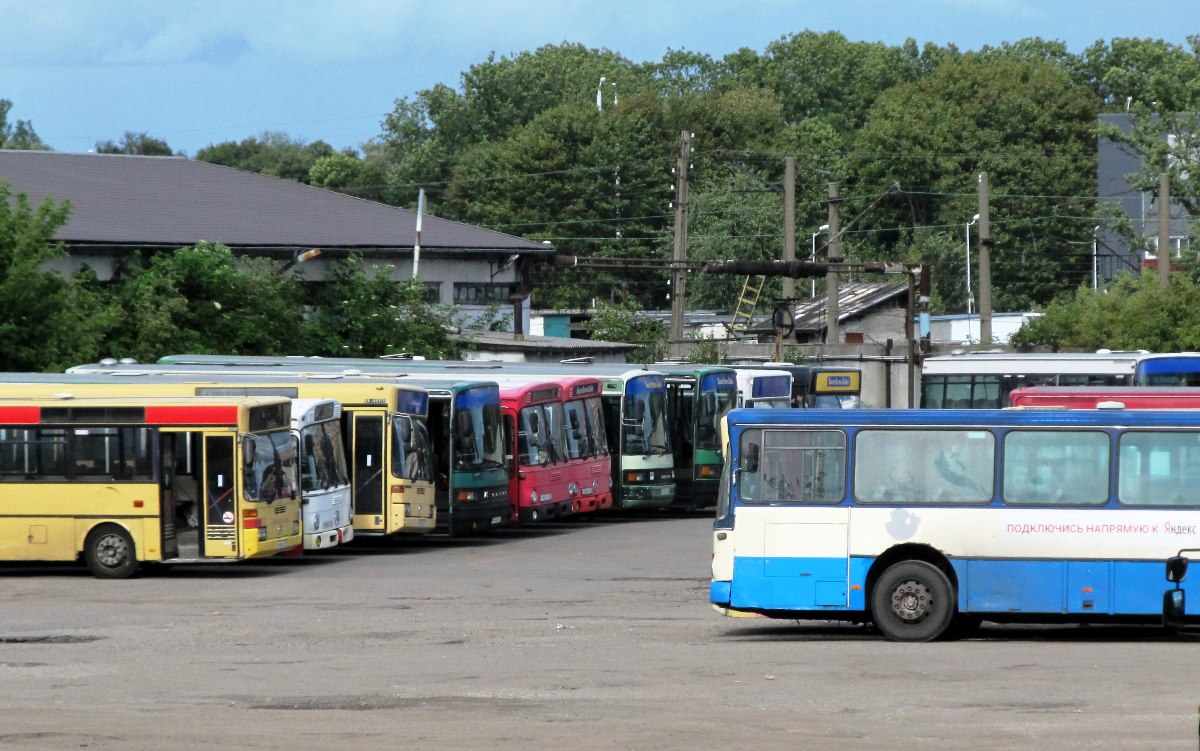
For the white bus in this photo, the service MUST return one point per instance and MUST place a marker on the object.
(760, 388)
(984, 380)
(324, 478)
(927, 522)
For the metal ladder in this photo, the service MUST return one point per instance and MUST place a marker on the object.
(747, 302)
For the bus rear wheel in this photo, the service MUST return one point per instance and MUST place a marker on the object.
(109, 553)
(913, 601)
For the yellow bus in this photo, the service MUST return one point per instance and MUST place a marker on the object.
(100, 479)
(387, 446)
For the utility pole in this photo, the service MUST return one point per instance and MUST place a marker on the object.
(833, 334)
(985, 263)
(1164, 229)
(789, 224)
(681, 221)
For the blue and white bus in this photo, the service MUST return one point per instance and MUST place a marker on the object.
(927, 522)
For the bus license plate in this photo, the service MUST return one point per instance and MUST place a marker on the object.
(497, 519)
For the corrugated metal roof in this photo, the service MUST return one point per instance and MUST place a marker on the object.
(854, 300)
(174, 201)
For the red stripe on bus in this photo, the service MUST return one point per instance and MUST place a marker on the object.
(20, 415)
(192, 415)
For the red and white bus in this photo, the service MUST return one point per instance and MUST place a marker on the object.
(1107, 397)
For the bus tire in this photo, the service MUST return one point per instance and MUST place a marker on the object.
(109, 552)
(912, 601)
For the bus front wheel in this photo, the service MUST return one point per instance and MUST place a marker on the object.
(913, 602)
(109, 553)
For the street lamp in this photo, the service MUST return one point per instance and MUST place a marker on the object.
(970, 297)
(1095, 230)
(820, 229)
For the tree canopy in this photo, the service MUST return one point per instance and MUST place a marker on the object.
(578, 146)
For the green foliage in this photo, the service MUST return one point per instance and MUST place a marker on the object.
(708, 351)
(364, 314)
(621, 323)
(1161, 83)
(201, 299)
(47, 322)
(1023, 122)
(1135, 313)
(18, 134)
(272, 153)
(141, 144)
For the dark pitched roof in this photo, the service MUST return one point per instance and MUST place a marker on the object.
(174, 201)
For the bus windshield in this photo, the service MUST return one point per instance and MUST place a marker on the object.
(540, 435)
(412, 457)
(646, 418)
(477, 441)
(324, 464)
(271, 466)
(836, 401)
(718, 394)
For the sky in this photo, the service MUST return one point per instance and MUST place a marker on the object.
(199, 72)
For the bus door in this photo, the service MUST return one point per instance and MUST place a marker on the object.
(439, 437)
(167, 508)
(220, 518)
(682, 414)
(367, 466)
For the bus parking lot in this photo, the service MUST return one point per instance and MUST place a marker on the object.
(581, 634)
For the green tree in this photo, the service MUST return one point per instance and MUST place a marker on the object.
(424, 137)
(18, 134)
(141, 144)
(348, 173)
(271, 153)
(1162, 85)
(826, 76)
(1026, 124)
(1134, 313)
(366, 314)
(49, 322)
(620, 322)
(201, 299)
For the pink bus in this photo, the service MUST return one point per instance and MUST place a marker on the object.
(591, 487)
(1107, 397)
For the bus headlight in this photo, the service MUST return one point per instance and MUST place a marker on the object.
(533, 496)
(708, 471)
(573, 489)
(262, 534)
(465, 495)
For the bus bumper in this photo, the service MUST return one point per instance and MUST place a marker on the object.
(735, 613)
(321, 540)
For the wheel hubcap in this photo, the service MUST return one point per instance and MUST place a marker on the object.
(112, 551)
(911, 600)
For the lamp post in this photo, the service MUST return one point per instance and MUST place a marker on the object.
(1095, 231)
(970, 297)
(813, 258)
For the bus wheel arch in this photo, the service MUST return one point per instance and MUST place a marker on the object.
(109, 552)
(912, 594)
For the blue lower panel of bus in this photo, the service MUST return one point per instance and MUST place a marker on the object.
(1077, 587)
(984, 586)
(787, 584)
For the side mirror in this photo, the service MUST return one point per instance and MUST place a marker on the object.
(1177, 566)
(1174, 608)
